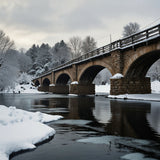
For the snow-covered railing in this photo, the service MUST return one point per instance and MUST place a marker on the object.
(119, 44)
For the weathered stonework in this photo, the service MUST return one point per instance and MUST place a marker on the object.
(82, 89)
(130, 86)
(117, 61)
(59, 89)
(43, 88)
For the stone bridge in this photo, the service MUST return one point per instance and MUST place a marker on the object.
(132, 57)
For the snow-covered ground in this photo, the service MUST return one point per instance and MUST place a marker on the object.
(25, 88)
(155, 96)
(102, 89)
(20, 130)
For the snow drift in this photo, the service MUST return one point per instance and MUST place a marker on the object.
(21, 130)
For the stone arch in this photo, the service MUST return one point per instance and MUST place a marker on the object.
(46, 82)
(139, 64)
(100, 65)
(62, 79)
(37, 83)
(89, 73)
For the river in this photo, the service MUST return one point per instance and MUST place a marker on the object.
(93, 127)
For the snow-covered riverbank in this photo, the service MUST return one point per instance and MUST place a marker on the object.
(24, 88)
(20, 130)
(99, 90)
(155, 96)
(105, 89)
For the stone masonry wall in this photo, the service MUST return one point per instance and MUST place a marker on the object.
(82, 89)
(43, 88)
(59, 89)
(130, 86)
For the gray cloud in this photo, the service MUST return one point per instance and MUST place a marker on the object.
(40, 20)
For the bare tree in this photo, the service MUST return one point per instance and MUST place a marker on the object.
(130, 28)
(88, 44)
(75, 44)
(5, 43)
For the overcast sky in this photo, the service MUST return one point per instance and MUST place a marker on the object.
(30, 22)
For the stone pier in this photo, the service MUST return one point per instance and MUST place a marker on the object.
(130, 86)
(43, 88)
(81, 89)
(59, 89)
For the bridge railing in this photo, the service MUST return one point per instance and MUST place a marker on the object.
(119, 44)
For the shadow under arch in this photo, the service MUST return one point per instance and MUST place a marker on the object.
(37, 83)
(89, 74)
(140, 66)
(46, 82)
(63, 79)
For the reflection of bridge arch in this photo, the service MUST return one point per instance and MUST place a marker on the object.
(139, 63)
(46, 82)
(89, 72)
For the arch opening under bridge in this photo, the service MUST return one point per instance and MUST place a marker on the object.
(46, 82)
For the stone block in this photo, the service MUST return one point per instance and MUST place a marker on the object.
(130, 86)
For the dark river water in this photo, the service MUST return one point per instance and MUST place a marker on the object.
(93, 128)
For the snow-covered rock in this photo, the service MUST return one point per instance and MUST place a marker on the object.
(20, 130)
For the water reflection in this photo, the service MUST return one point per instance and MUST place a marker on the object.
(123, 118)
(153, 117)
(102, 111)
(116, 117)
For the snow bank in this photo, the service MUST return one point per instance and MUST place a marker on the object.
(155, 96)
(20, 130)
(102, 89)
(155, 86)
(117, 76)
(148, 97)
(25, 88)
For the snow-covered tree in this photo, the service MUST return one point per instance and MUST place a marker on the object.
(24, 61)
(33, 52)
(88, 44)
(61, 53)
(102, 77)
(24, 78)
(75, 43)
(130, 28)
(154, 71)
(9, 69)
(5, 43)
(44, 55)
(8, 61)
